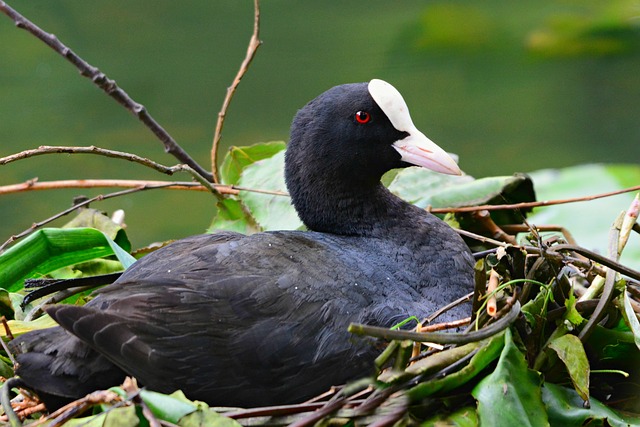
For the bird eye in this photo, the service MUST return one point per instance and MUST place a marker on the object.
(363, 117)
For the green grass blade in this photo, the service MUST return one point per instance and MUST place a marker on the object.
(49, 249)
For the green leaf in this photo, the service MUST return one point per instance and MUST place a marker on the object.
(239, 157)
(463, 417)
(206, 417)
(487, 353)
(572, 315)
(510, 396)
(570, 350)
(94, 218)
(49, 249)
(566, 408)
(426, 188)
(168, 407)
(421, 186)
(617, 347)
(125, 416)
(630, 318)
(232, 215)
(19, 327)
(272, 212)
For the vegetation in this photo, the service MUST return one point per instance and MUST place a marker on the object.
(554, 337)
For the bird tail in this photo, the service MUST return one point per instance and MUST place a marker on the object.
(60, 368)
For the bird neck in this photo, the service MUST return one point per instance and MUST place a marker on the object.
(353, 209)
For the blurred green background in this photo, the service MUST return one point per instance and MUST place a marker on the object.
(509, 86)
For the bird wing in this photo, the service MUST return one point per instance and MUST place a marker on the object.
(216, 321)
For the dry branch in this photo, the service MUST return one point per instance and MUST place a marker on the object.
(527, 205)
(254, 44)
(34, 185)
(100, 197)
(47, 149)
(108, 86)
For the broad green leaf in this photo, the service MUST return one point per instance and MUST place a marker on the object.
(239, 157)
(426, 188)
(95, 267)
(630, 318)
(510, 396)
(168, 407)
(205, 417)
(570, 350)
(487, 353)
(420, 186)
(125, 416)
(11, 305)
(93, 218)
(231, 215)
(19, 327)
(615, 346)
(588, 222)
(566, 408)
(273, 212)
(49, 249)
(463, 417)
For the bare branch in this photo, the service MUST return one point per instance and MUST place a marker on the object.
(108, 86)
(527, 205)
(100, 197)
(254, 44)
(34, 185)
(47, 149)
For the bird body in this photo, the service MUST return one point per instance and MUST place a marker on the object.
(239, 320)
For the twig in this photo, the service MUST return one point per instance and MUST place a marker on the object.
(329, 408)
(34, 185)
(7, 332)
(607, 262)
(492, 304)
(609, 283)
(108, 86)
(5, 400)
(438, 337)
(73, 208)
(442, 326)
(482, 239)
(254, 44)
(433, 316)
(46, 149)
(526, 205)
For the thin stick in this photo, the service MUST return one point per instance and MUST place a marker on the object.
(47, 149)
(526, 205)
(35, 185)
(492, 304)
(254, 44)
(108, 86)
(73, 208)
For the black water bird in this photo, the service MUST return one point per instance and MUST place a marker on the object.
(239, 320)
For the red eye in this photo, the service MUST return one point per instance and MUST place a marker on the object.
(362, 117)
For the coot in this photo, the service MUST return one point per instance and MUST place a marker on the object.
(239, 320)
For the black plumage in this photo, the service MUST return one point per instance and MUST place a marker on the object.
(259, 320)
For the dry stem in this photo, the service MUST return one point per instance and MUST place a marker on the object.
(527, 205)
(254, 44)
(73, 208)
(108, 86)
